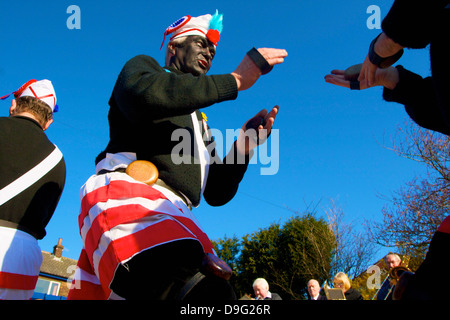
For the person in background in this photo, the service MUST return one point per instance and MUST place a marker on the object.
(261, 290)
(32, 178)
(313, 288)
(342, 281)
(391, 260)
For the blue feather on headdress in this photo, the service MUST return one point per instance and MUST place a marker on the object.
(216, 22)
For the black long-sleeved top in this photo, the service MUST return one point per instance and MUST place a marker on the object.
(415, 25)
(353, 294)
(23, 145)
(148, 104)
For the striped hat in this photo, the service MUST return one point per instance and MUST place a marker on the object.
(208, 26)
(42, 90)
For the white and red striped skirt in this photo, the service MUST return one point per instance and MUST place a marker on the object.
(20, 261)
(119, 218)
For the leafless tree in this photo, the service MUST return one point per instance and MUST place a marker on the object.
(354, 250)
(415, 211)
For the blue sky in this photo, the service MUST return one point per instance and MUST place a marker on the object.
(330, 138)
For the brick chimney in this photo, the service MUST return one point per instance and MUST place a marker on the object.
(58, 249)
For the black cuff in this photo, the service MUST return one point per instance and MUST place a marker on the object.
(354, 85)
(260, 61)
(379, 61)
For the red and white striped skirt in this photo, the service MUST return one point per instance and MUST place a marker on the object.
(20, 261)
(119, 218)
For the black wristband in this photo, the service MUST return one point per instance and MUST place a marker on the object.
(379, 61)
(260, 61)
(354, 85)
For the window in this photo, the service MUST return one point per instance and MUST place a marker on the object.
(47, 287)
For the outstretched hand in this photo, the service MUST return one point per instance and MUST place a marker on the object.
(256, 130)
(383, 77)
(384, 47)
(247, 73)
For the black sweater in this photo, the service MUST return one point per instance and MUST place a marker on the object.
(23, 145)
(352, 294)
(146, 106)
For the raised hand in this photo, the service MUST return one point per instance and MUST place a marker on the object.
(383, 77)
(256, 130)
(247, 73)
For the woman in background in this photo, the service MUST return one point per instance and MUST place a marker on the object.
(341, 280)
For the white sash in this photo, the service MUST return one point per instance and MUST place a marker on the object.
(203, 153)
(30, 177)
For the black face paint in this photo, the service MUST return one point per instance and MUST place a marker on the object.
(194, 55)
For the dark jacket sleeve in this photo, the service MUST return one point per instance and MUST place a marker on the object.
(143, 83)
(418, 96)
(412, 23)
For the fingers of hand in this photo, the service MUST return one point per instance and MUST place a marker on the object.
(273, 56)
(272, 114)
(368, 72)
(338, 72)
(337, 79)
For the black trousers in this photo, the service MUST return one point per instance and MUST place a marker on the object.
(161, 272)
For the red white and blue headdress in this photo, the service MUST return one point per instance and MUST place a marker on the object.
(208, 26)
(42, 90)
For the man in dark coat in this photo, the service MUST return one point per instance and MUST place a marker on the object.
(426, 100)
(152, 246)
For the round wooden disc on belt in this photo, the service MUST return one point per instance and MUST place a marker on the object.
(143, 170)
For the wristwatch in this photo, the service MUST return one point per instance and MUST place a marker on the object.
(379, 61)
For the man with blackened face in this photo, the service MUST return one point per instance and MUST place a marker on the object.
(153, 247)
(191, 54)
